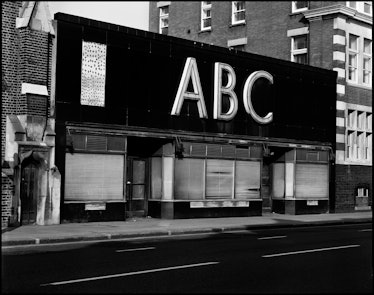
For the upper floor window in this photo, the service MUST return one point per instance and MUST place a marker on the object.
(238, 12)
(164, 20)
(361, 6)
(359, 135)
(359, 68)
(298, 6)
(206, 15)
(93, 74)
(299, 49)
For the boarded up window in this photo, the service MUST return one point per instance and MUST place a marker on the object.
(94, 177)
(219, 178)
(93, 74)
(189, 179)
(247, 179)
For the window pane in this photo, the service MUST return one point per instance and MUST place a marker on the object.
(301, 59)
(353, 42)
(219, 178)
(301, 4)
(164, 10)
(352, 4)
(367, 7)
(299, 42)
(239, 5)
(367, 46)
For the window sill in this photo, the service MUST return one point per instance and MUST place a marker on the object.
(205, 31)
(237, 24)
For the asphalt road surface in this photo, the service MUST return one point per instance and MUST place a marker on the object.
(321, 259)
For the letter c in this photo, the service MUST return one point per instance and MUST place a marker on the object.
(247, 100)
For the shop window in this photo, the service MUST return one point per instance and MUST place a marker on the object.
(298, 6)
(299, 49)
(219, 178)
(206, 15)
(359, 69)
(361, 6)
(164, 20)
(238, 12)
(358, 135)
(156, 178)
(278, 180)
(312, 180)
(189, 179)
(93, 74)
(247, 179)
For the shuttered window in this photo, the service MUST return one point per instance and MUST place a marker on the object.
(219, 178)
(94, 177)
(247, 179)
(312, 180)
(189, 179)
(156, 179)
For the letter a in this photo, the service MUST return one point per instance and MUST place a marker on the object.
(190, 71)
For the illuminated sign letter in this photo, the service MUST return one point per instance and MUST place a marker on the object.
(190, 72)
(248, 100)
(228, 89)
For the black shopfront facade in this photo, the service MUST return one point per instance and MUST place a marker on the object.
(152, 125)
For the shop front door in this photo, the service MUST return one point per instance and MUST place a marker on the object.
(136, 187)
(29, 193)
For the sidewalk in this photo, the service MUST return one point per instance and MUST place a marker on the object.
(146, 227)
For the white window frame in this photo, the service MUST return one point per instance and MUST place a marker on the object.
(204, 8)
(234, 11)
(358, 136)
(295, 52)
(367, 55)
(360, 6)
(295, 9)
(163, 16)
(360, 56)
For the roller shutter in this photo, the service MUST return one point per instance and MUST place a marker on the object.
(312, 180)
(94, 177)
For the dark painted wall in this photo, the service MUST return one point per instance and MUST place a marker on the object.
(143, 71)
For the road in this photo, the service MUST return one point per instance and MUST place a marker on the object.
(320, 259)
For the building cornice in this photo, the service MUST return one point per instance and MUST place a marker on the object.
(338, 9)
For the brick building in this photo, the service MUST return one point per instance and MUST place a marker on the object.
(27, 127)
(335, 35)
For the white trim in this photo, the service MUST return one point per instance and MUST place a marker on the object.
(340, 122)
(340, 71)
(338, 39)
(299, 31)
(341, 105)
(295, 10)
(163, 3)
(337, 55)
(340, 138)
(358, 107)
(340, 23)
(236, 42)
(340, 89)
(34, 89)
(338, 8)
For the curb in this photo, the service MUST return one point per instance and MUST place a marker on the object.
(175, 232)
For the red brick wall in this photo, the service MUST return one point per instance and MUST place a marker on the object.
(348, 178)
(26, 56)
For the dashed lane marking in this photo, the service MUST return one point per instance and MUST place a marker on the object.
(136, 249)
(273, 237)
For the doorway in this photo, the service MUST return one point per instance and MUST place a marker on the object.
(29, 192)
(136, 187)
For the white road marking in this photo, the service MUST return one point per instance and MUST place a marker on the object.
(368, 229)
(273, 237)
(136, 249)
(130, 273)
(309, 251)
